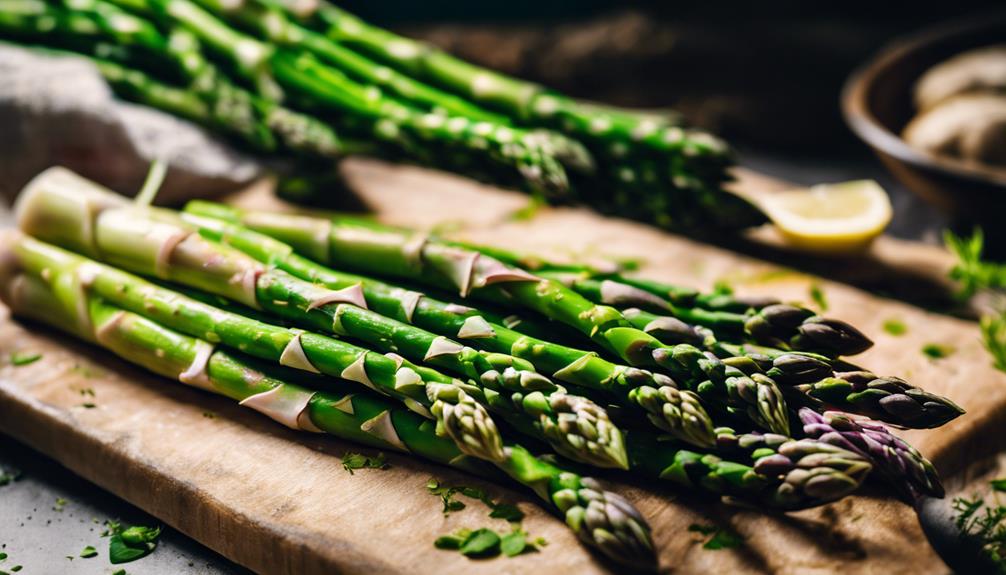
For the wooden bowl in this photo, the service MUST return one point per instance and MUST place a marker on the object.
(877, 103)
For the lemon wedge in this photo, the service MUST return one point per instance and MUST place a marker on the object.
(833, 218)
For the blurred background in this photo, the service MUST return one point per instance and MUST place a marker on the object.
(766, 76)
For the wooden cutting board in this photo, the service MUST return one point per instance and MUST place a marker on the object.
(280, 502)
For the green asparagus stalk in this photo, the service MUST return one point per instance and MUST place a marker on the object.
(278, 72)
(271, 24)
(786, 487)
(157, 243)
(394, 253)
(783, 487)
(812, 379)
(782, 473)
(675, 411)
(601, 519)
(782, 325)
(518, 99)
(614, 137)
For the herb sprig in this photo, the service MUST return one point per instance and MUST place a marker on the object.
(718, 537)
(985, 522)
(484, 542)
(353, 461)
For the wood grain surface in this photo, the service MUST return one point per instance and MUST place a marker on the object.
(280, 502)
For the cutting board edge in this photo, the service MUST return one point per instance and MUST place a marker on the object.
(40, 427)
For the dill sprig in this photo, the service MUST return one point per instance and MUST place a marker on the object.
(971, 271)
(987, 524)
(975, 275)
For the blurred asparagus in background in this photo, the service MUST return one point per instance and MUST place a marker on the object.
(284, 81)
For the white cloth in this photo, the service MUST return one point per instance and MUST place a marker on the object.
(59, 110)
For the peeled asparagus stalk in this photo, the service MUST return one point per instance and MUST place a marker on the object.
(601, 519)
(157, 243)
(416, 257)
(769, 470)
(785, 486)
(678, 412)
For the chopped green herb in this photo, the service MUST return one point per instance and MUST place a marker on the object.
(209, 415)
(111, 528)
(452, 541)
(971, 271)
(721, 538)
(87, 391)
(485, 542)
(60, 504)
(138, 535)
(482, 542)
(507, 511)
(937, 351)
(514, 543)
(446, 496)
(475, 493)
(986, 524)
(88, 552)
(722, 287)
(353, 461)
(3, 556)
(19, 358)
(627, 264)
(497, 510)
(817, 295)
(130, 544)
(120, 572)
(994, 338)
(89, 405)
(895, 327)
(15, 568)
(528, 211)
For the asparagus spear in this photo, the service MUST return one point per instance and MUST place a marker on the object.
(601, 519)
(778, 324)
(816, 380)
(765, 469)
(400, 254)
(785, 486)
(612, 136)
(783, 473)
(678, 412)
(157, 243)
(810, 378)
(900, 463)
(518, 99)
(683, 296)
(279, 254)
(270, 23)
(304, 78)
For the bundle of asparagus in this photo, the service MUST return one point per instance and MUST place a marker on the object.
(241, 292)
(309, 80)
